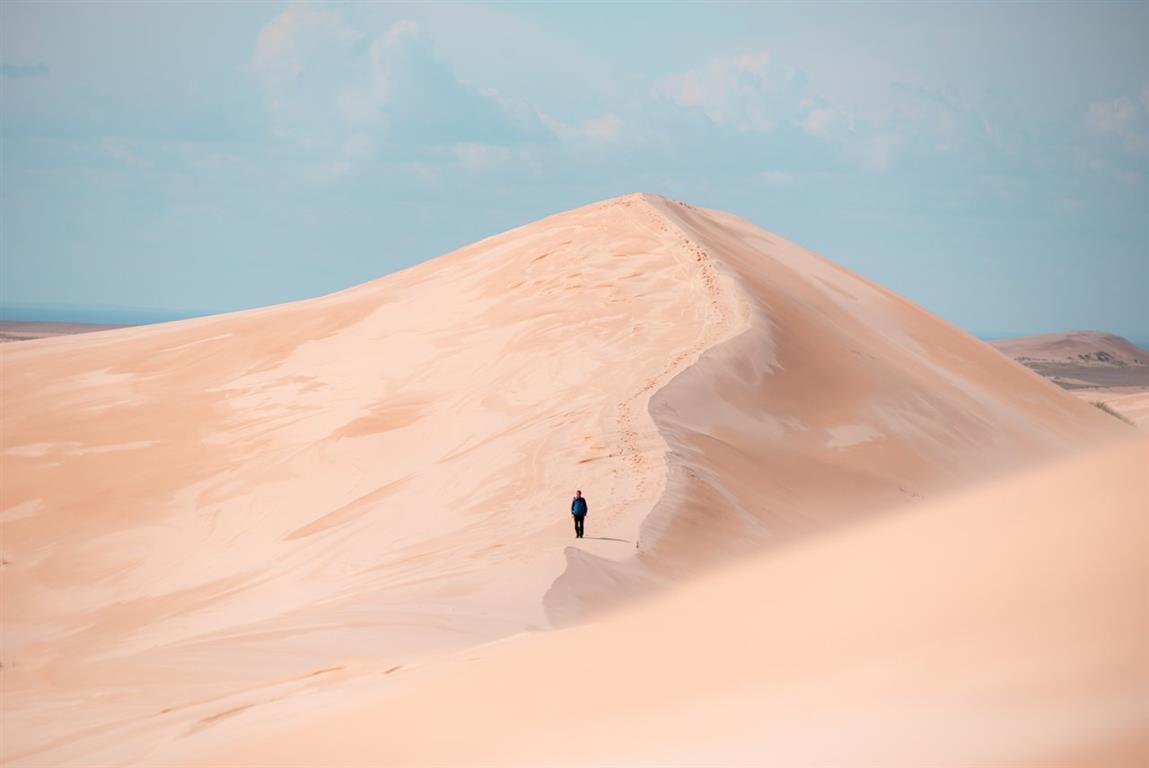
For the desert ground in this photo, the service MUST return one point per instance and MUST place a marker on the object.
(336, 530)
(949, 635)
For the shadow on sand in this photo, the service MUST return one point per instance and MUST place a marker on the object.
(608, 538)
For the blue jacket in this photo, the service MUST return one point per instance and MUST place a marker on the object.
(578, 506)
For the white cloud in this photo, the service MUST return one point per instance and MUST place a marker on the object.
(875, 151)
(749, 92)
(1125, 119)
(342, 95)
(279, 49)
(401, 30)
(363, 102)
(1112, 117)
(120, 151)
(213, 161)
(1122, 174)
(604, 128)
(480, 157)
(825, 121)
(359, 146)
(776, 178)
(756, 92)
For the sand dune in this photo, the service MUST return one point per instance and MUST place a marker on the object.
(18, 330)
(1082, 360)
(1005, 627)
(202, 517)
(1076, 347)
(1132, 406)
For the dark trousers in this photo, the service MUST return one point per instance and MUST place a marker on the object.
(578, 524)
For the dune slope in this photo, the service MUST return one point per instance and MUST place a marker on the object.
(1002, 627)
(208, 514)
(838, 399)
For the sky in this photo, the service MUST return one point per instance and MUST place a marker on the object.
(988, 161)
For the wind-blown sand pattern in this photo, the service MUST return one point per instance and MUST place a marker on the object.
(212, 521)
(1003, 627)
(1131, 406)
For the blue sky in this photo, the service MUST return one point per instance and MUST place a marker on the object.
(989, 161)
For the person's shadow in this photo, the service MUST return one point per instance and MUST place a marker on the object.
(608, 538)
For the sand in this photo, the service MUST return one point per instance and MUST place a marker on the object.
(1096, 367)
(1084, 348)
(1082, 360)
(201, 518)
(1130, 403)
(1006, 626)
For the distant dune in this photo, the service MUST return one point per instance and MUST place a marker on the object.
(201, 518)
(1077, 348)
(1082, 359)
(22, 330)
(1097, 367)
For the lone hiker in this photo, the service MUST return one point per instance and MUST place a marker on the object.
(578, 512)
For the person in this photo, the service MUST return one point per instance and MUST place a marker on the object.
(578, 512)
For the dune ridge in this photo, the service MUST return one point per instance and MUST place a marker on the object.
(221, 505)
(838, 399)
(204, 517)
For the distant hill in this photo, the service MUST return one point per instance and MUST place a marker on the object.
(15, 330)
(1082, 360)
(1093, 348)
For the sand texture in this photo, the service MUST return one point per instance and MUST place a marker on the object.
(208, 524)
(1133, 406)
(1003, 627)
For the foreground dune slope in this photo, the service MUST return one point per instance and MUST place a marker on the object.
(1131, 406)
(838, 399)
(204, 514)
(1003, 627)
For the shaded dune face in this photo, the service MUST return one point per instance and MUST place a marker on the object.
(837, 399)
(200, 509)
(221, 504)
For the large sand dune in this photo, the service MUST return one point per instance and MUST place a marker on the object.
(205, 516)
(1004, 627)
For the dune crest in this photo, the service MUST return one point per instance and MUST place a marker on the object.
(203, 515)
(838, 399)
